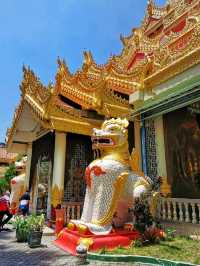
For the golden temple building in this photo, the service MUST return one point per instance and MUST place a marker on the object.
(154, 82)
(53, 125)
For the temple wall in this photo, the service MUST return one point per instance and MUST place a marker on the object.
(172, 146)
(178, 79)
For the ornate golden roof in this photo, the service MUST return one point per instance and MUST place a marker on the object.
(77, 103)
(93, 90)
(166, 44)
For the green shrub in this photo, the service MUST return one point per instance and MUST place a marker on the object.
(22, 228)
(36, 222)
(24, 225)
(137, 243)
(3, 185)
(170, 234)
(5, 181)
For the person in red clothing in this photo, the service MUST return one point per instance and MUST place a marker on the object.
(5, 209)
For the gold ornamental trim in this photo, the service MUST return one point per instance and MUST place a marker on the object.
(174, 69)
(56, 196)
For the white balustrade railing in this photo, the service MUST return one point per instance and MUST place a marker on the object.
(72, 210)
(179, 210)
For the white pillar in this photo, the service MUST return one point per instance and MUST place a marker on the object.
(28, 163)
(161, 159)
(58, 169)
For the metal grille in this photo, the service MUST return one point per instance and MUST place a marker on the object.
(79, 155)
(151, 148)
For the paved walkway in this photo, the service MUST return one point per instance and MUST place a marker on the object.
(19, 254)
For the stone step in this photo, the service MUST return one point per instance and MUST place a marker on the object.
(47, 231)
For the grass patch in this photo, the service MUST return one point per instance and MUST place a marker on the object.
(179, 249)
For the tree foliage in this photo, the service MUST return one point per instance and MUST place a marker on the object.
(10, 173)
(5, 181)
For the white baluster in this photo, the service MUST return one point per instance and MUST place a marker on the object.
(187, 218)
(194, 220)
(68, 213)
(164, 210)
(174, 211)
(169, 210)
(180, 212)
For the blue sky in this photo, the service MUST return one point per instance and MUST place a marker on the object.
(36, 32)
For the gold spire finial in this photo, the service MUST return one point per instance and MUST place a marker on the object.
(62, 65)
(88, 60)
(59, 61)
(123, 39)
(23, 68)
(150, 5)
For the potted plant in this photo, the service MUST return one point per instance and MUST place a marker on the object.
(22, 228)
(36, 224)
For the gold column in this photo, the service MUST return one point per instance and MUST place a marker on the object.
(161, 159)
(58, 169)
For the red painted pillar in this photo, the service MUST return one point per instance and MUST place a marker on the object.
(60, 213)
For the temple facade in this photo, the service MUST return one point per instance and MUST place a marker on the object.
(53, 125)
(154, 83)
(168, 103)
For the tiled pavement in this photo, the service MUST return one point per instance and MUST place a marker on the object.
(19, 254)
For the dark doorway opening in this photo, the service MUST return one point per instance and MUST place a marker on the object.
(79, 154)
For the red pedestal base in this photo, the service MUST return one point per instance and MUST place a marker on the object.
(68, 240)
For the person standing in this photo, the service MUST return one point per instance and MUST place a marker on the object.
(5, 209)
(24, 203)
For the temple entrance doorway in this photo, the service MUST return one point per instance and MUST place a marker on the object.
(41, 174)
(78, 156)
(41, 189)
(44, 186)
(182, 145)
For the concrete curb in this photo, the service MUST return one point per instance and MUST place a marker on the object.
(135, 258)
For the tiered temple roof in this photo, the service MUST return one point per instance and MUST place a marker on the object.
(166, 44)
(7, 157)
(76, 103)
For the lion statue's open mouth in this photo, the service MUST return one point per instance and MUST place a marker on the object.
(111, 134)
(98, 141)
